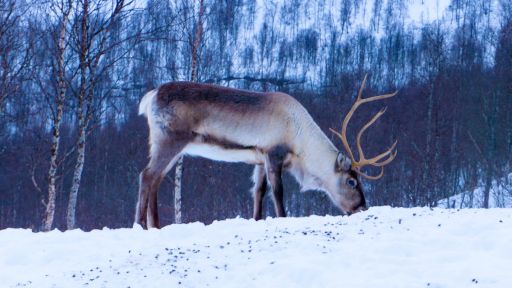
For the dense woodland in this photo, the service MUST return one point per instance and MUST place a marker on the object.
(72, 73)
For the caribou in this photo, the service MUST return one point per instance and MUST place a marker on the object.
(271, 131)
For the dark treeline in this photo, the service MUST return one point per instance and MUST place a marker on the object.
(72, 73)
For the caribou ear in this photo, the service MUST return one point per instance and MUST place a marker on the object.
(342, 163)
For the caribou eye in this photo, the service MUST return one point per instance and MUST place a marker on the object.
(352, 182)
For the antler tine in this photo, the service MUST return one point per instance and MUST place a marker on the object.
(379, 97)
(389, 153)
(375, 160)
(366, 126)
(387, 161)
(343, 134)
(360, 93)
(345, 143)
(379, 164)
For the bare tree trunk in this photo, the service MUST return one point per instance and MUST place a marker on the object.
(193, 77)
(490, 114)
(454, 171)
(77, 175)
(427, 170)
(196, 42)
(491, 151)
(177, 191)
(52, 191)
(487, 188)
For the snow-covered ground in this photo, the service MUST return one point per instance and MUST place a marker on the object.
(382, 247)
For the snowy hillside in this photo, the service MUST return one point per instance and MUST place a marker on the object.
(500, 196)
(382, 247)
(319, 22)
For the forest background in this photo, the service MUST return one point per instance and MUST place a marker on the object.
(73, 71)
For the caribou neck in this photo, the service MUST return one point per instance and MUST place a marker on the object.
(316, 159)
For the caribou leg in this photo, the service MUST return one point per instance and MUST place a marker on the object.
(274, 169)
(163, 157)
(259, 190)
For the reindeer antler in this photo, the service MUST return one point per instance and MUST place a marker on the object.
(374, 161)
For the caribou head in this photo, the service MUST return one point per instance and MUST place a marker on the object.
(350, 197)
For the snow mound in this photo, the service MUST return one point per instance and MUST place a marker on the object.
(381, 247)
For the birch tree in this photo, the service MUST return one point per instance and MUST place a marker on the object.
(194, 43)
(92, 35)
(59, 37)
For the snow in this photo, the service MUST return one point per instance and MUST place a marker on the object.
(381, 247)
(500, 196)
(421, 11)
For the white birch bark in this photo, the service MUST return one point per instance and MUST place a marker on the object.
(177, 191)
(193, 77)
(77, 174)
(49, 214)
